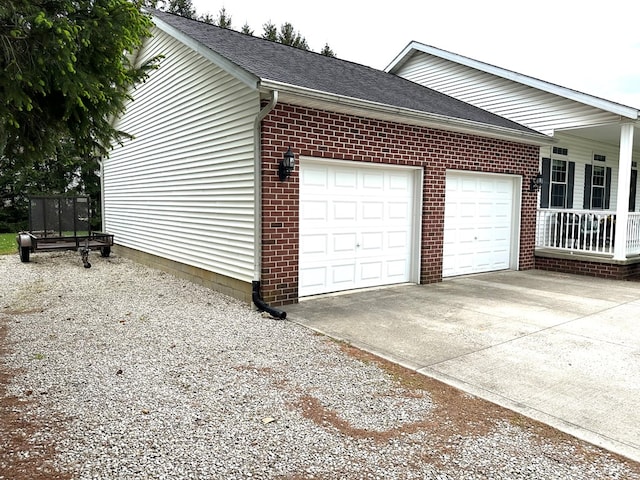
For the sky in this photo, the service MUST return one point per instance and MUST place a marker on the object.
(594, 49)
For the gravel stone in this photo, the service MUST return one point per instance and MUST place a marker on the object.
(135, 374)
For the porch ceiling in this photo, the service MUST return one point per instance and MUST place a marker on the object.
(609, 134)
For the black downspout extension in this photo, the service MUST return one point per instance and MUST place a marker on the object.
(261, 304)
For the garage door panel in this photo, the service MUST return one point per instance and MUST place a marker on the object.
(372, 210)
(344, 179)
(344, 242)
(314, 179)
(343, 274)
(372, 241)
(479, 212)
(399, 184)
(398, 240)
(367, 233)
(371, 271)
(344, 210)
(397, 269)
(314, 210)
(372, 182)
(313, 277)
(399, 211)
(314, 244)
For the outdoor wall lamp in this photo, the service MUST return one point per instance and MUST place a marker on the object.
(535, 183)
(286, 165)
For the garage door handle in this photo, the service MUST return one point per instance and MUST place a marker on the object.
(357, 245)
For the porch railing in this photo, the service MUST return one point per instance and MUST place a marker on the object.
(633, 234)
(584, 231)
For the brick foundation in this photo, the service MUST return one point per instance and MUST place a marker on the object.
(615, 271)
(322, 134)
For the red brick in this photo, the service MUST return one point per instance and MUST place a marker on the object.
(330, 135)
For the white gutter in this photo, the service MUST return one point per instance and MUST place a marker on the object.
(414, 117)
(257, 172)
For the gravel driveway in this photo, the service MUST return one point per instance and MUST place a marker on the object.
(125, 372)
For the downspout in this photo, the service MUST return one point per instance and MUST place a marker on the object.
(102, 216)
(257, 168)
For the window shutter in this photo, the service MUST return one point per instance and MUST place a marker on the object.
(632, 190)
(586, 204)
(607, 188)
(546, 183)
(570, 176)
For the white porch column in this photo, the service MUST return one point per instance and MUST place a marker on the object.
(624, 181)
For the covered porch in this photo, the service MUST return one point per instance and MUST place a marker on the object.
(588, 220)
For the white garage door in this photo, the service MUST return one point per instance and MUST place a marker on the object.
(356, 226)
(478, 224)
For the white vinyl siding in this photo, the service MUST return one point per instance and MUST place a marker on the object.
(184, 187)
(581, 152)
(542, 111)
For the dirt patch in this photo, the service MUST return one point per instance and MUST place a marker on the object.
(457, 414)
(22, 456)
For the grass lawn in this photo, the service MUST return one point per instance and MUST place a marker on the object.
(8, 243)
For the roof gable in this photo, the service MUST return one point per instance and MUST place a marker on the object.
(277, 63)
(574, 95)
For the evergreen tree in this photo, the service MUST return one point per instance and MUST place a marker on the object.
(223, 20)
(287, 35)
(65, 72)
(326, 51)
(270, 31)
(246, 29)
(184, 8)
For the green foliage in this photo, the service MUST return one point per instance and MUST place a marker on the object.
(66, 70)
(184, 8)
(223, 20)
(270, 31)
(246, 29)
(326, 51)
(287, 35)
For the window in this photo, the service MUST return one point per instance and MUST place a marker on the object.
(560, 151)
(598, 186)
(558, 184)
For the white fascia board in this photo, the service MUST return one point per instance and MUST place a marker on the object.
(401, 58)
(597, 102)
(240, 73)
(404, 115)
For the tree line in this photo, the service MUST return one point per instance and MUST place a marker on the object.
(286, 34)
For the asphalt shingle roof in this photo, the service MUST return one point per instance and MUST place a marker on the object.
(281, 63)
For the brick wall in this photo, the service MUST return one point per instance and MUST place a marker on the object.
(323, 134)
(585, 267)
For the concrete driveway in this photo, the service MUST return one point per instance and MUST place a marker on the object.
(562, 349)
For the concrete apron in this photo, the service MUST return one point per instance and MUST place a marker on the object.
(561, 349)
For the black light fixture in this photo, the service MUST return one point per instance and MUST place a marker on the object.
(286, 165)
(535, 183)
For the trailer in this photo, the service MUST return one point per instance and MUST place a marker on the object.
(61, 223)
